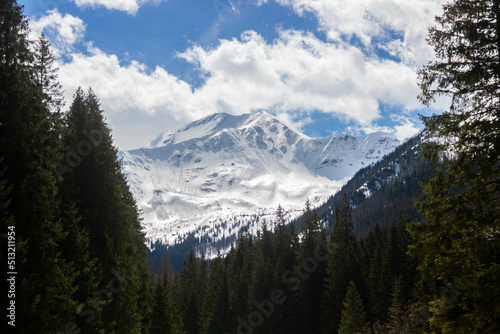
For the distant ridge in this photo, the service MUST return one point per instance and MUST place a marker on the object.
(215, 176)
(384, 192)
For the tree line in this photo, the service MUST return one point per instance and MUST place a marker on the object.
(79, 264)
(289, 282)
(79, 261)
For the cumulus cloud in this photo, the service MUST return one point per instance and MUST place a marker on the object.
(398, 26)
(292, 76)
(405, 126)
(125, 87)
(405, 130)
(129, 6)
(295, 121)
(139, 104)
(298, 71)
(62, 30)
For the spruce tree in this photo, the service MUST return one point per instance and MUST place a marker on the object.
(266, 243)
(216, 299)
(191, 293)
(166, 317)
(285, 242)
(399, 313)
(280, 216)
(459, 247)
(109, 213)
(344, 265)
(45, 73)
(403, 265)
(6, 218)
(379, 283)
(310, 224)
(310, 270)
(29, 146)
(240, 266)
(260, 287)
(353, 314)
(287, 319)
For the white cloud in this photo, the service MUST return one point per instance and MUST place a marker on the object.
(125, 88)
(368, 128)
(291, 76)
(405, 130)
(138, 104)
(129, 6)
(376, 20)
(296, 121)
(300, 72)
(63, 31)
(295, 74)
(406, 127)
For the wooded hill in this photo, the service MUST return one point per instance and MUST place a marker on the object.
(380, 193)
(76, 256)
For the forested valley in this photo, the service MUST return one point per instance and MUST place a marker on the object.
(74, 258)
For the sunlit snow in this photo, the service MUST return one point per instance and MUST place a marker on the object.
(216, 175)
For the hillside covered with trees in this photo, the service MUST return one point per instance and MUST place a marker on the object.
(75, 260)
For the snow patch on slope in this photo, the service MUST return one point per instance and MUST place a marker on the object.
(226, 166)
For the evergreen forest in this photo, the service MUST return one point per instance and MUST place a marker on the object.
(74, 257)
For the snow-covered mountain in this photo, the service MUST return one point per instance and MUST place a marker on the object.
(226, 169)
(385, 192)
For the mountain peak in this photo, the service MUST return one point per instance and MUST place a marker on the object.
(212, 124)
(262, 118)
(225, 166)
(198, 129)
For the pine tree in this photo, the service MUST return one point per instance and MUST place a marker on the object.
(109, 213)
(190, 294)
(166, 317)
(310, 270)
(260, 287)
(216, 299)
(344, 265)
(379, 282)
(403, 266)
(311, 223)
(266, 243)
(29, 145)
(280, 216)
(6, 218)
(399, 313)
(284, 241)
(46, 75)
(353, 314)
(7, 224)
(287, 319)
(459, 247)
(240, 265)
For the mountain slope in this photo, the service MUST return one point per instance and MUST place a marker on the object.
(226, 169)
(381, 192)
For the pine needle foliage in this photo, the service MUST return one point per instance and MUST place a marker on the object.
(459, 247)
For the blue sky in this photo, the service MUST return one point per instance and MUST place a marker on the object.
(323, 66)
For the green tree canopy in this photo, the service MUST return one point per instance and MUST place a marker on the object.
(459, 247)
(344, 265)
(353, 314)
(93, 178)
(29, 145)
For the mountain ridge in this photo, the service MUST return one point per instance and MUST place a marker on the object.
(384, 193)
(225, 167)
